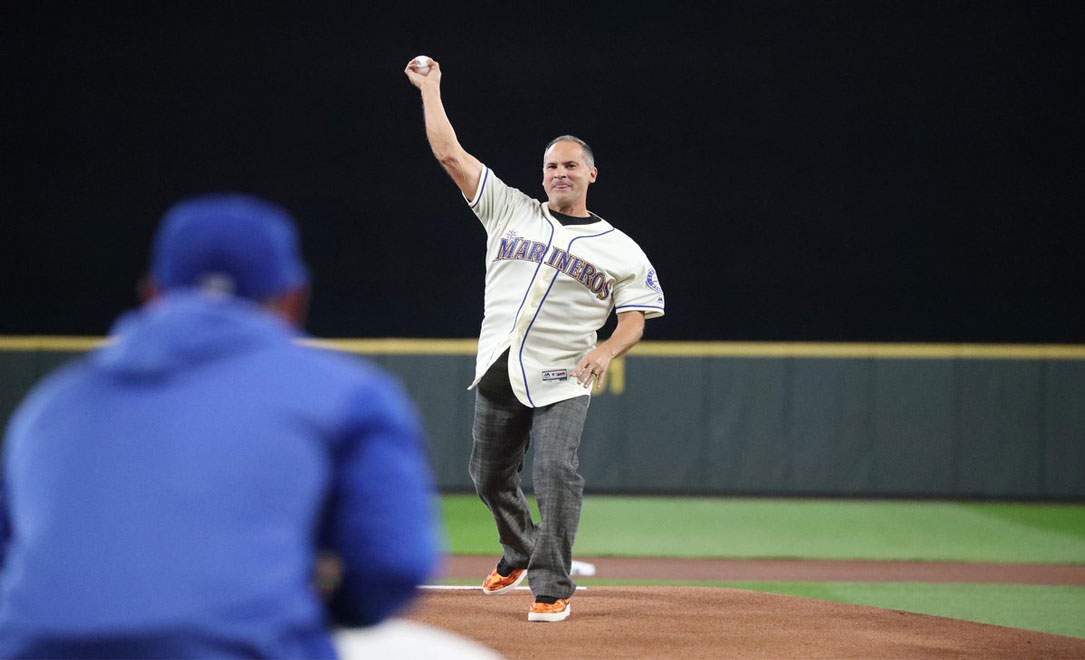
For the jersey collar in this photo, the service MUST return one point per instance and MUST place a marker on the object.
(580, 225)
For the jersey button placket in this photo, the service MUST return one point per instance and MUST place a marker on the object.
(534, 299)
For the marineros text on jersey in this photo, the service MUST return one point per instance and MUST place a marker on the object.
(516, 248)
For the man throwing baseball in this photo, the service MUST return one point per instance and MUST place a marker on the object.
(554, 273)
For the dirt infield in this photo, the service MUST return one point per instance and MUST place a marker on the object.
(474, 567)
(705, 622)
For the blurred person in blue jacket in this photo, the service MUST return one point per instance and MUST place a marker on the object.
(169, 494)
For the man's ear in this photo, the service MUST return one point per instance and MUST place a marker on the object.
(293, 305)
(147, 288)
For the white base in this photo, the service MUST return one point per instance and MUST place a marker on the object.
(408, 640)
(558, 616)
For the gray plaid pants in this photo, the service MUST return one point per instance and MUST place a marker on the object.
(504, 429)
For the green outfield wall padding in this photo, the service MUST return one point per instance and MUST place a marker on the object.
(913, 425)
(664, 439)
(603, 454)
(1000, 437)
(774, 424)
(1063, 424)
(829, 422)
(747, 437)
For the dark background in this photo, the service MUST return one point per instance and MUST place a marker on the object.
(882, 171)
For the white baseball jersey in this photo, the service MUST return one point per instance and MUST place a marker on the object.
(549, 288)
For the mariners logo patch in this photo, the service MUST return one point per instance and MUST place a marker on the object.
(653, 281)
(554, 375)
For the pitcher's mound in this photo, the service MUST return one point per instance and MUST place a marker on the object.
(708, 622)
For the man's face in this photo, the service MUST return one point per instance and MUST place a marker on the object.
(566, 175)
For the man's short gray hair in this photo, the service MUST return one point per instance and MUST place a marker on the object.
(589, 155)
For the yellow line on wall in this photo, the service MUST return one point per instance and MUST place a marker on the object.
(400, 346)
(394, 346)
(50, 343)
(850, 350)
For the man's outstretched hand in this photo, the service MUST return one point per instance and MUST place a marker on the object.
(419, 79)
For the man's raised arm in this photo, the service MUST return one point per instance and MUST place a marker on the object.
(464, 168)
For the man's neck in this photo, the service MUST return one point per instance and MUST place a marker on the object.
(577, 210)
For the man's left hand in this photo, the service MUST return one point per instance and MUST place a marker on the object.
(593, 367)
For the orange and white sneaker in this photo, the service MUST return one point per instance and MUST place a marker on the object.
(496, 583)
(556, 611)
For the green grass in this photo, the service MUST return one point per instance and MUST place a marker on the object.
(836, 529)
(1055, 610)
(1051, 609)
(811, 529)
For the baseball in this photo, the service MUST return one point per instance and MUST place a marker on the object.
(422, 63)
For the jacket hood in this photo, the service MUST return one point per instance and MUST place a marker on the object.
(187, 329)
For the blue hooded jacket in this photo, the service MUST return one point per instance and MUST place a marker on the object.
(167, 495)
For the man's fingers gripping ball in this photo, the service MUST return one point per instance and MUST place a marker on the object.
(423, 70)
(421, 64)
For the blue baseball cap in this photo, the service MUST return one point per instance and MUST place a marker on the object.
(230, 243)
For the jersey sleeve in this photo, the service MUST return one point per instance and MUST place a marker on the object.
(495, 203)
(380, 519)
(5, 522)
(640, 290)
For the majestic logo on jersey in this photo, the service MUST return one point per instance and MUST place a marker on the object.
(653, 281)
(591, 276)
(555, 375)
